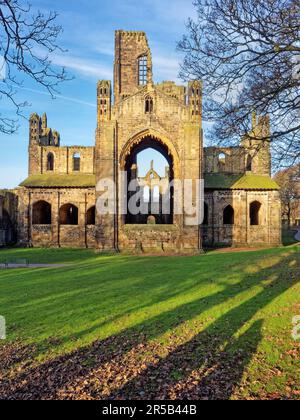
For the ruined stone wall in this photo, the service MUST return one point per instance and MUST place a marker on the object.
(64, 158)
(235, 160)
(257, 145)
(170, 124)
(8, 217)
(44, 141)
(170, 120)
(55, 234)
(129, 46)
(241, 233)
(171, 116)
(171, 89)
(150, 239)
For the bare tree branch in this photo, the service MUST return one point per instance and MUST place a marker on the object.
(247, 53)
(26, 44)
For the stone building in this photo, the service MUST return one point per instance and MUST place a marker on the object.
(57, 202)
(8, 218)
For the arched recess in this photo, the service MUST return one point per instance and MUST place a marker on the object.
(76, 162)
(162, 143)
(68, 215)
(255, 207)
(249, 163)
(50, 162)
(41, 213)
(228, 215)
(128, 163)
(91, 216)
(222, 161)
(149, 105)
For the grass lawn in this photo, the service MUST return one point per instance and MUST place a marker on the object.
(209, 326)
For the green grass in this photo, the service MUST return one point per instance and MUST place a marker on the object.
(226, 303)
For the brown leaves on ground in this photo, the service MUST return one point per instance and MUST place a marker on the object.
(131, 368)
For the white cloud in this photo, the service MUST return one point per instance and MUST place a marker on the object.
(84, 66)
(165, 67)
(62, 97)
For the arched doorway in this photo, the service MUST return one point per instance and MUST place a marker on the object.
(41, 213)
(91, 216)
(228, 216)
(147, 184)
(68, 215)
(255, 213)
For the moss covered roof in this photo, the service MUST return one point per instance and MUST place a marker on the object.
(212, 181)
(239, 182)
(60, 180)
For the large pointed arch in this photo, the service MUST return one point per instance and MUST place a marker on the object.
(150, 139)
(159, 139)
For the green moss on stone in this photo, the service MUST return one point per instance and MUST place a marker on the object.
(219, 181)
(60, 181)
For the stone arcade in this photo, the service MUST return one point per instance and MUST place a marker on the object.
(56, 203)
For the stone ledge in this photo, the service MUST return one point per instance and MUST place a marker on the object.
(150, 227)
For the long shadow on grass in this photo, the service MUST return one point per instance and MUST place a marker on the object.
(101, 294)
(210, 365)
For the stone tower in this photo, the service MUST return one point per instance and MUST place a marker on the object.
(103, 101)
(130, 49)
(35, 131)
(44, 123)
(145, 115)
(257, 146)
(195, 100)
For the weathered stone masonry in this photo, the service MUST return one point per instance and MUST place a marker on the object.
(56, 203)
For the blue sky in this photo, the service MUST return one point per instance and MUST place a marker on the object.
(89, 38)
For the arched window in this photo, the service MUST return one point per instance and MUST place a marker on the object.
(68, 215)
(148, 105)
(228, 216)
(91, 216)
(206, 215)
(155, 194)
(76, 162)
(50, 162)
(249, 164)
(143, 70)
(41, 213)
(254, 213)
(146, 194)
(222, 161)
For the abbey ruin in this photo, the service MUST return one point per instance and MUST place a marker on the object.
(56, 205)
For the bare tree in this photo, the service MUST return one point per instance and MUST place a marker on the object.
(247, 52)
(289, 181)
(27, 41)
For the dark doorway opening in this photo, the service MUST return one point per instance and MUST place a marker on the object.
(91, 216)
(68, 215)
(41, 213)
(228, 216)
(156, 191)
(255, 213)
